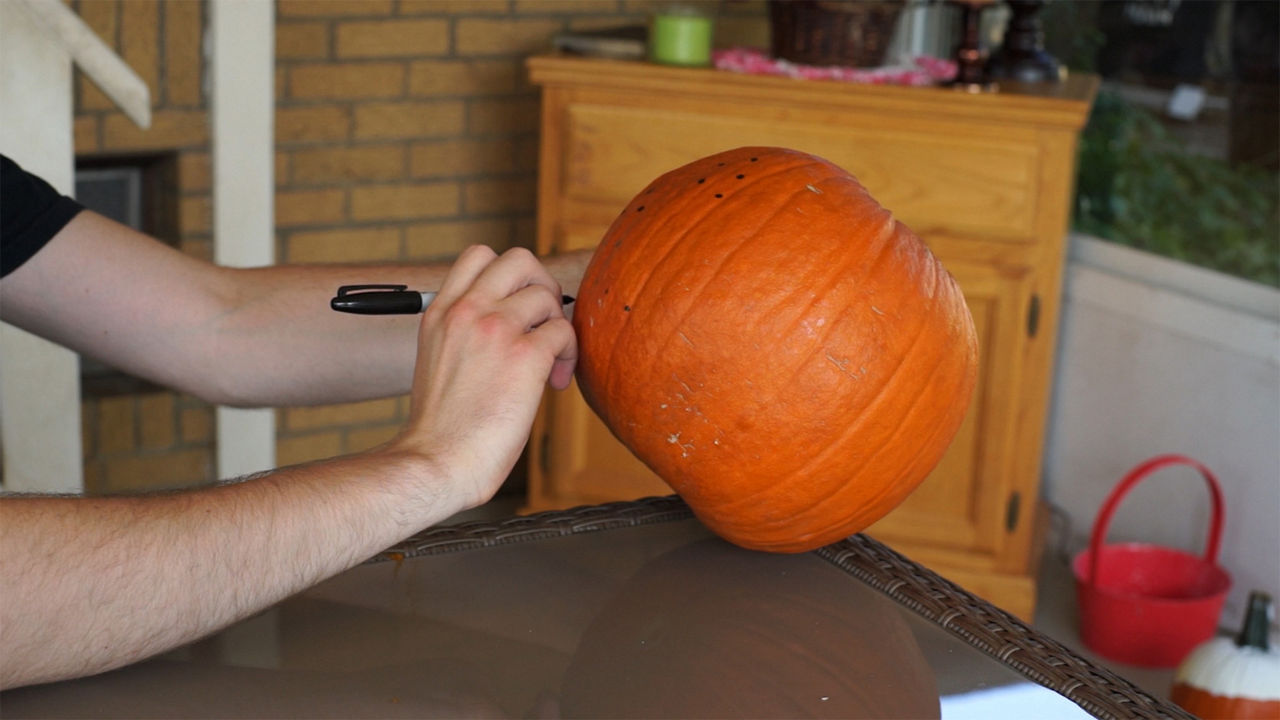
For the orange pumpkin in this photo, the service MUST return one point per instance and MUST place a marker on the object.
(775, 346)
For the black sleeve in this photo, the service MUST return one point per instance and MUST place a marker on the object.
(31, 213)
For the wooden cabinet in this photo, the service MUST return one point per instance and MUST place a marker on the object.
(984, 179)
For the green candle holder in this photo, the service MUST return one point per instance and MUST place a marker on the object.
(680, 36)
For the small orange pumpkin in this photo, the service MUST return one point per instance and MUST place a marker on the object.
(775, 346)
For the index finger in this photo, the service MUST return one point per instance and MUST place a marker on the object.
(513, 271)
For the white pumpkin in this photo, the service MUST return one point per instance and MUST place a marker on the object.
(1236, 679)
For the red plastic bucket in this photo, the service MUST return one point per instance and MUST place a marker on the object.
(1149, 605)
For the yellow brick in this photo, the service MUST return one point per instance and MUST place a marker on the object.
(344, 246)
(183, 30)
(526, 232)
(463, 77)
(499, 196)
(333, 8)
(140, 41)
(169, 129)
(418, 119)
(305, 448)
(302, 40)
(392, 38)
(195, 215)
(438, 240)
(404, 202)
(338, 164)
(485, 36)
(338, 81)
(535, 7)
(195, 171)
(164, 471)
(197, 424)
(283, 177)
(322, 416)
(452, 7)
(94, 478)
(526, 155)
(198, 248)
(366, 438)
(156, 421)
(85, 133)
(88, 424)
(446, 158)
(116, 425)
(308, 207)
(503, 116)
(312, 124)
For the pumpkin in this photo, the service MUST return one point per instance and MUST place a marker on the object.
(1233, 678)
(775, 346)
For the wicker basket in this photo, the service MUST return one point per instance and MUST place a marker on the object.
(829, 32)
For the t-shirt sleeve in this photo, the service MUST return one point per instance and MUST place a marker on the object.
(31, 213)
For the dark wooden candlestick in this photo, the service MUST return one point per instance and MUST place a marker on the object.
(1022, 57)
(971, 60)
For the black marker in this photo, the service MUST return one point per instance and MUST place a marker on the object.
(387, 300)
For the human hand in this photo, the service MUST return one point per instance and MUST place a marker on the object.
(495, 333)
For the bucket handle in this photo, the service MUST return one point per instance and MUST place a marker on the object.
(1103, 521)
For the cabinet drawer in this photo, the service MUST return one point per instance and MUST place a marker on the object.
(933, 182)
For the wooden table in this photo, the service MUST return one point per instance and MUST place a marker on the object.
(627, 609)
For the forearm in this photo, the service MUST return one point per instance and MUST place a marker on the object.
(282, 345)
(262, 336)
(124, 578)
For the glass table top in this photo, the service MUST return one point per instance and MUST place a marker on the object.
(654, 620)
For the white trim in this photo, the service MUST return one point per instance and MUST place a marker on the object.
(39, 381)
(242, 104)
(1207, 285)
(1189, 301)
(93, 56)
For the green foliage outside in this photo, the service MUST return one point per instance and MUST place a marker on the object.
(1139, 186)
(1136, 185)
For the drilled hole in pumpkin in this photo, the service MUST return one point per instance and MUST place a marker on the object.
(754, 159)
(626, 308)
(640, 209)
(740, 176)
(701, 180)
(719, 195)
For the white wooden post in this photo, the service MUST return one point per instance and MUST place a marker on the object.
(242, 106)
(40, 381)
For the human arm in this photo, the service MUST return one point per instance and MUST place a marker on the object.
(244, 337)
(92, 584)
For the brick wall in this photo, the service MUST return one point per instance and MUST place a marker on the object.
(405, 130)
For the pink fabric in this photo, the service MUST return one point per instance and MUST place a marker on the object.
(926, 70)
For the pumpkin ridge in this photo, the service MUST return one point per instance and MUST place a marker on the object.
(656, 268)
(672, 241)
(880, 254)
(867, 413)
(697, 295)
(875, 501)
(888, 225)
(888, 489)
(889, 495)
